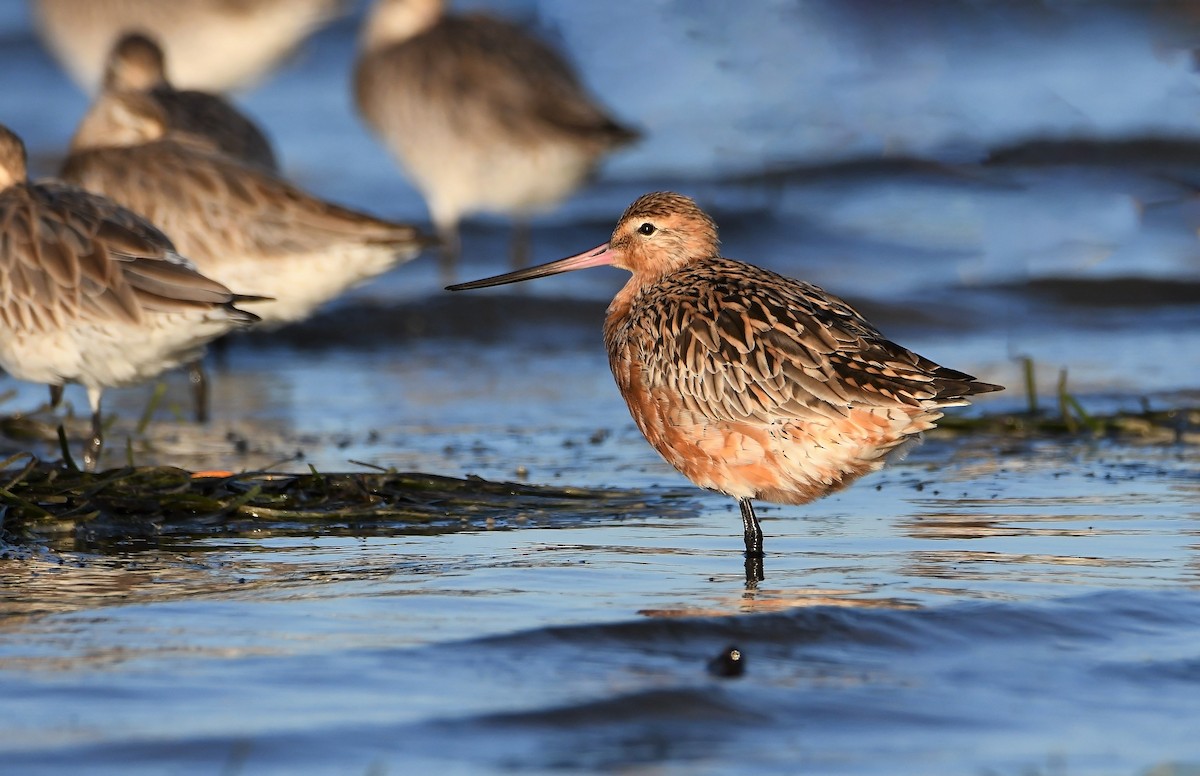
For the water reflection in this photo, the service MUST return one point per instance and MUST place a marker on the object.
(1029, 568)
(779, 600)
(971, 525)
(40, 582)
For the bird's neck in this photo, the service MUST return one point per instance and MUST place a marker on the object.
(11, 174)
(618, 309)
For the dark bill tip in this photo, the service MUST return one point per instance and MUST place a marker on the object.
(596, 257)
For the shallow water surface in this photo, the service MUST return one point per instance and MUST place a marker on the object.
(972, 616)
(993, 604)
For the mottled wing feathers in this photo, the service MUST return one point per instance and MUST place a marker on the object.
(54, 267)
(217, 208)
(736, 342)
(69, 258)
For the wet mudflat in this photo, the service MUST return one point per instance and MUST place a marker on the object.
(996, 603)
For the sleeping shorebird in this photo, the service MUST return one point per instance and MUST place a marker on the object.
(91, 293)
(750, 383)
(241, 226)
(215, 45)
(481, 115)
(137, 64)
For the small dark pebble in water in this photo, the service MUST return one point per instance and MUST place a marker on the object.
(729, 664)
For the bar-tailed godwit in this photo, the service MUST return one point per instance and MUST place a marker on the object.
(137, 64)
(91, 293)
(748, 382)
(241, 226)
(214, 45)
(483, 117)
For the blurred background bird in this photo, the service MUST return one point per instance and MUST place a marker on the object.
(214, 45)
(482, 116)
(137, 64)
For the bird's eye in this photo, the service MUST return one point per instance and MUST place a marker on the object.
(647, 228)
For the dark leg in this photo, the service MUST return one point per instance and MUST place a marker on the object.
(220, 353)
(56, 394)
(199, 380)
(451, 248)
(751, 529)
(754, 571)
(754, 543)
(520, 244)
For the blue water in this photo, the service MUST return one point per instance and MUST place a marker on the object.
(987, 606)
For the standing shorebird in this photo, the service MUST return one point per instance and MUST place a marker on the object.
(750, 383)
(241, 226)
(481, 115)
(91, 293)
(215, 45)
(137, 64)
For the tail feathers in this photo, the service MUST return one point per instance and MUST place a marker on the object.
(620, 135)
(952, 384)
(981, 387)
(243, 318)
(406, 239)
(240, 298)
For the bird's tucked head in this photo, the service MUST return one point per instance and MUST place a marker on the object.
(136, 64)
(120, 119)
(12, 159)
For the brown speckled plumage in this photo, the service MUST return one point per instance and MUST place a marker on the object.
(137, 64)
(92, 293)
(240, 225)
(736, 374)
(748, 382)
(68, 257)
